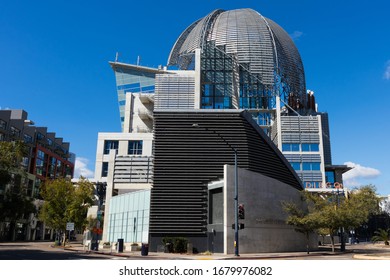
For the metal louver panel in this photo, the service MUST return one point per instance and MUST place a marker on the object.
(186, 159)
(133, 169)
(246, 34)
(175, 91)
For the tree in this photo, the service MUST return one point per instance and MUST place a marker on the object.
(360, 205)
(328, 213)
(329, 219)
(64, 202)
(381, 235)
(83, 199)
(337, 211)
(302, 219)
(11, 154)
(14, 203)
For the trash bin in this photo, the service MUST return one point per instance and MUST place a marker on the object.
(120, 245)
(144, 249)
(94, 245)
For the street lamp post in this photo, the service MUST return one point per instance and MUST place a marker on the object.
(236, 225)
(342, 244)
(236, 250)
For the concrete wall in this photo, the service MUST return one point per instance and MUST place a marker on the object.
(265, 226)
(123, 139)
(138, 113)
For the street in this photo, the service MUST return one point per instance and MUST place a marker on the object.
(75, 251)
(44, 251)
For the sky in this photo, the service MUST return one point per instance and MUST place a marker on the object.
(54, 64)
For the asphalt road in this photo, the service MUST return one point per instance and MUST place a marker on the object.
(44, 251)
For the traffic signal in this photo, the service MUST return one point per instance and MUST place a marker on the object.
(241, 211)
(240, 226)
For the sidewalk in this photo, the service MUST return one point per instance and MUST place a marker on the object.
(366, 251)
(370, 251)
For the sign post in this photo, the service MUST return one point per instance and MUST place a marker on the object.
(69, 227)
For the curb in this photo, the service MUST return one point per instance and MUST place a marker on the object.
(202, 257)
(370, 257)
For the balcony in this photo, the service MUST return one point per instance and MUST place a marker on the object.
(146, 98)
(145, 114)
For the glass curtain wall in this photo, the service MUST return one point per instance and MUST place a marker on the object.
(129, 217)
(221, 77)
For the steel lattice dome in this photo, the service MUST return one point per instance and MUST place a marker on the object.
(254, 41)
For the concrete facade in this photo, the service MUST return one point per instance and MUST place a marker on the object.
(122, 168)
(265, 221)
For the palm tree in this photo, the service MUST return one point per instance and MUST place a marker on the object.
(381, 235)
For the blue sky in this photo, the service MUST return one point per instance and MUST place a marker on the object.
(54, 64)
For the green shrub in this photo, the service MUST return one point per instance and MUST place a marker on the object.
(180, 245)
(175, 244)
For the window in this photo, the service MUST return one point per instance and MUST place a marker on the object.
(315, 147)
(306, 166)
(296, 165)
(49, 141)
(52, 166)
(41, 154)
(135, 147)
(316, 166)
(40, 136)
(28, 138)
(15, 131)
(310, 147)
(329, 177)
(3, 124)
(290, 147)
(25, 163)
(59, 168)
(68, 170)
(109, 145)
(41, 163)
(305, 147)
(295, 147)
(104, 169)
(311, 166)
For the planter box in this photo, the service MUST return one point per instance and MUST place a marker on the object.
(134, 248)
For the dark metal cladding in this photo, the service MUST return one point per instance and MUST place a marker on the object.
(187, 158)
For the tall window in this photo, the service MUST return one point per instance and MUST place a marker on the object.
(109, 145)
(329, 177)
(104, 169)
(3, 124)
(39, 162)
(135, 147)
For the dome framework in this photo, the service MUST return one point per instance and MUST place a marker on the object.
(246, 61)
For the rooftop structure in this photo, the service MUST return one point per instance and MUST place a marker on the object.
(258, 58)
